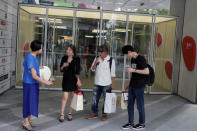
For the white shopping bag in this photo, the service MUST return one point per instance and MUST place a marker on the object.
(77, 102)
(124, 100)
(110, 103)
(125, 96)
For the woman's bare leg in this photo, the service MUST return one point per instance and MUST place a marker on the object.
(26, 121)
(71, 97)
(64, 101)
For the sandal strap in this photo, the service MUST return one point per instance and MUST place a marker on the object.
(61, 114)
(28, 127)
(69, 114)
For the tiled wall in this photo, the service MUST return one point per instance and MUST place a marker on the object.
(8, 32)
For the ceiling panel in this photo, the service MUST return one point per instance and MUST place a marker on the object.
(60, 12)
(163, 19)
(34, 10)
(141, 19)
(95, 15)
(110, 16)
(87, 14)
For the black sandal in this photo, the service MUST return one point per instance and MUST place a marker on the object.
(28, 127)
(61, 119)
(69, 118)
(32, 125)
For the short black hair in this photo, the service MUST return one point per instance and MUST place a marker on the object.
(127, 48)
(103, 48)
(35, 45)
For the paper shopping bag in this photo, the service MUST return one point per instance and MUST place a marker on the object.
(110, 103)
(77, 102)
(125, 96)
(123, 102)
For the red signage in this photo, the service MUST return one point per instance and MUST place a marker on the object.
(168, 69)
(159, 39)
(3, 22)
(189, 52)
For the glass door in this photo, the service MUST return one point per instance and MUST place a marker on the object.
(59, 36)
(113, 34)
(165, 34)
(86, 40)
(140, 37)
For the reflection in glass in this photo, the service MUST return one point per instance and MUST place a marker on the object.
(139, 36)
(164, 53)
(87, 38)
(87, 34)
(31, 27)
(113, 34)
(141, 39)
(59, 37)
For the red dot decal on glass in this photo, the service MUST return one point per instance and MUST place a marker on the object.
(25, 49)
(168, 69)
(189, 52)
(159, 39)
(3, 22)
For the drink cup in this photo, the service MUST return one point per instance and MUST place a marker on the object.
(52, 78)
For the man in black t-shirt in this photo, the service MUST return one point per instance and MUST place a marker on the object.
(139, 70)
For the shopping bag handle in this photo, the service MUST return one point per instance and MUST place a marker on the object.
(78, 92)
(109, 90)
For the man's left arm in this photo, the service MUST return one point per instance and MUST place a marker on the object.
(143, 71)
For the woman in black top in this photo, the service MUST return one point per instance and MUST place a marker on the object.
(70, 66)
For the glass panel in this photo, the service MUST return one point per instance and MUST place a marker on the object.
(86, 41)
(60, 26)
(113, 34)
(140, 34)
(164, 55)
(30, 28)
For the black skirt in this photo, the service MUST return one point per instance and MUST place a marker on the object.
(69, 84)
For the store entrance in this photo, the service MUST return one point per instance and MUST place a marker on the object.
(153, 36)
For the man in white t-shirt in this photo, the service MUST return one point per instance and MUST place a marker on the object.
(104, 67)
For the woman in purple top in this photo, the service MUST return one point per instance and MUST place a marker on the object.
(31, 80)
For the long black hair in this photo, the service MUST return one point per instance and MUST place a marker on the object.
(73, 49)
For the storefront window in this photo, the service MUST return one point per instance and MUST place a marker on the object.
(153, 36)
(31, 27)
(87, 35)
